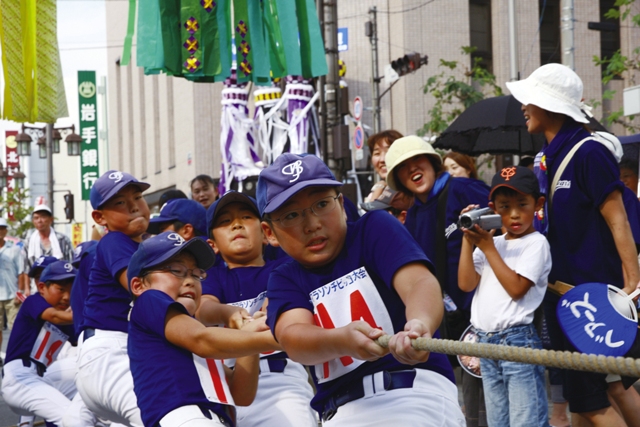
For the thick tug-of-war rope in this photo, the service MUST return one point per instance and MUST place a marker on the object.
(556, 359)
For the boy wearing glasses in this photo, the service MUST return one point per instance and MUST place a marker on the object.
(104, 378)
(284, 391)
(176, 380)
(347, 287)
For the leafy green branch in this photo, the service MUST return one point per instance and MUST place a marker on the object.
(15, 204)
(455, 89)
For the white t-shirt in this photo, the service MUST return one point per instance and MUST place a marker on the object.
(492, 309)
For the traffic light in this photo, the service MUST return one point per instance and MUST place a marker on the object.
(409, 63)
(68, 206)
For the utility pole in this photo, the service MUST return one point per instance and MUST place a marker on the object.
(514, 73)
(566, 35)
(371, 30)
(330, 94)
(49, 142)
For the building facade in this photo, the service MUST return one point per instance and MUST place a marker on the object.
(166, 130)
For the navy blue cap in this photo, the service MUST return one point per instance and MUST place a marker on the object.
(287, 175)
(109, 184)
(183, 210)
(40, 264)
(59, 270)
(81, 250)
(158, 249)
(518, 178)
(230, 196)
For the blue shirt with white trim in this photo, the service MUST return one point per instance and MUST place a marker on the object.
(164, 375)
(108, 303)
(582, 246)
(356, 285)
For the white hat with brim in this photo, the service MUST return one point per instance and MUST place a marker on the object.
(3, 222)
(42, 208)
(552, 87)
(406, 148)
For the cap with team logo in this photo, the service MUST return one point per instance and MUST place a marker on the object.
(59, 270)
(109, 184)
(80, 251)
(228, 198)
(183, 210)
(287, 175)
(158, 249)
(40, 264)
(518, 178)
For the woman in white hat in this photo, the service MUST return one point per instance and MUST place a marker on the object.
(585, 220)
(416, 169)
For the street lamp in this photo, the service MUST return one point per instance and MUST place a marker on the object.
(18, 179)
(48, 140)
(37, 134)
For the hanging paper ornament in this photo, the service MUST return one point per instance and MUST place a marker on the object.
(239, 152)
(270, 128)
(301, 115)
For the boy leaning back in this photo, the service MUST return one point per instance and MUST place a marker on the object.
(509, 273)
(351, 284)
(104, 380)
(176, 380)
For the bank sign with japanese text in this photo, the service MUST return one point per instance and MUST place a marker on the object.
(87, 105)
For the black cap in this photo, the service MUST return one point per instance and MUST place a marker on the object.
(518, 178)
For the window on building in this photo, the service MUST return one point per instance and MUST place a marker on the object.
(609, 36)
(550, 48)
(480, 32)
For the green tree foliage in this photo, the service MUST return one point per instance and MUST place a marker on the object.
(619, 65)
(455, 89)
(16, 202)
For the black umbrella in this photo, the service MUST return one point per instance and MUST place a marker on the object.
(495, 126)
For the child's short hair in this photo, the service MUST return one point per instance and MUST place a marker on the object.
(228, 198)
(404, 149)
(109, 184)
(514, 180)
(289, 174)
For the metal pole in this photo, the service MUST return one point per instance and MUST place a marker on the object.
(49, 139)
(104, 132)
(375, 79)
(322, 83)
(513, 43)
(566, 37)
(332, 82)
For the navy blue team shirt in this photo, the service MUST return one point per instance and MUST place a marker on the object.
(27, 327)
(108, 303)
(582, 246)
(164, 375)
(80, 288)
(380, 244)
(422, 219)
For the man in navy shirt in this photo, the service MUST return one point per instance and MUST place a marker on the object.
(348, 287)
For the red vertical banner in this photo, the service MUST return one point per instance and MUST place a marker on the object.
(12, 162)
(12, 158)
